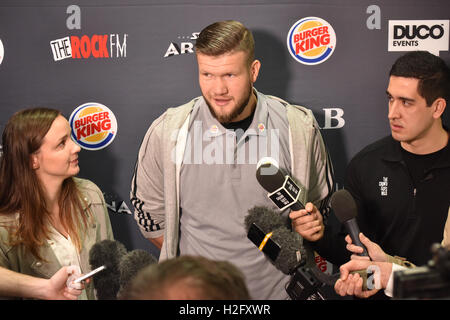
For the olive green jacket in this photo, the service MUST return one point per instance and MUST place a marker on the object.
(18, 259)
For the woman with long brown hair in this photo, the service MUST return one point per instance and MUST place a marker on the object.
(48, 218)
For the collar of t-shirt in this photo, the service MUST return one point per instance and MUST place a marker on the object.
(242, 125)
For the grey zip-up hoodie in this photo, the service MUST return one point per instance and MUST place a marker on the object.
(155, 184)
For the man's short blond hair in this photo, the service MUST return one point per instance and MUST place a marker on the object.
(226, 37)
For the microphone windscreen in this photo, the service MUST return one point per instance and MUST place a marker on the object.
(264, 218)
(107, 253)
(292, 253)
(269, 175)
(343, 205)
(131, 264)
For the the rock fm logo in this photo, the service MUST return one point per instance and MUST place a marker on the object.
(94, 126)
(84, 47)
(311, 40)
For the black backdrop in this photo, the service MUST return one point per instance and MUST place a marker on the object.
(150, 67)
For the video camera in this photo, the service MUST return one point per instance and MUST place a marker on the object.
(428, 282)
(308, 282)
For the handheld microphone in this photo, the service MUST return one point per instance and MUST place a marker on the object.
(130, 265)
(121, 267)
(283, 191)
(344, 207)
(288, 254)
(264, 217)
(107, 253)
(270, 234)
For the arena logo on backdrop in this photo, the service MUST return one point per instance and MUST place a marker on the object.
(115, 204)
(311, 40)
(93, 125)
(185, 46)
(412, 35)
(2, 51)
(90, 47)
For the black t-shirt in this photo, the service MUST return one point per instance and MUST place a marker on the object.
(402, 201)
(419, 165)
(242, 124)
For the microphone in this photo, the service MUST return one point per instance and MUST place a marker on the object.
(121, 267)
(266, 229)
(107, 253)
(288, 253)
(283, 191)
(344, 208)
(130, 265)
(263, 217)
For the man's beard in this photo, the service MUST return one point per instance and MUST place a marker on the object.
(227, 118)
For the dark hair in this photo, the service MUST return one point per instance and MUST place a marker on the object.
(431, 71)
(20, 189)
(190, 278)
(226, 36)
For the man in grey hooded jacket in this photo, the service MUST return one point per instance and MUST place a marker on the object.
(194, 180)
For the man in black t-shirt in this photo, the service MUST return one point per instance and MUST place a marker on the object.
(401, 183)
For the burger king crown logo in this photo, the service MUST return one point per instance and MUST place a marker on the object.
(311, 40)
(94, 126)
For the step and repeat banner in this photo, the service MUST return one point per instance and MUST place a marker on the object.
(112, 67)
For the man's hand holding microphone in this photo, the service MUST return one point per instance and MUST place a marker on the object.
(308, 222)
(352, 283)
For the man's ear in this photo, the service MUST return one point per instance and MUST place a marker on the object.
(439, 107)
(254, 70)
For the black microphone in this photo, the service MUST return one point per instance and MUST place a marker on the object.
(288, 253)
(130, 265)
(266, 229)
(344, 208)
(107, 253)
(283, 191)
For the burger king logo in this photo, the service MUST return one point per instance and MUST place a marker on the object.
(311, 40)
(94, 126)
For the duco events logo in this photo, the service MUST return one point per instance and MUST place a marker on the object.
(85, 47)
(412, 35)
(94, 126)
(2, 51)
(311, 40)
